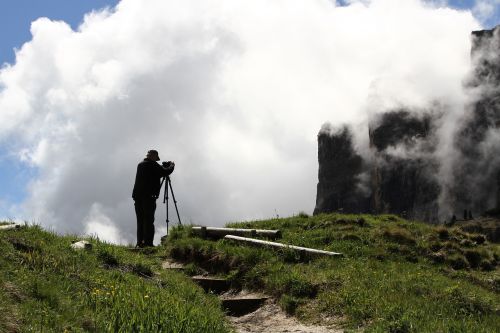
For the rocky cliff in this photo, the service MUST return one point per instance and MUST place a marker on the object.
(401, 172)
(477, 140)
(403, 166)
(340, 169)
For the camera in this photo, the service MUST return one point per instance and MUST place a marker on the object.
(167, 164)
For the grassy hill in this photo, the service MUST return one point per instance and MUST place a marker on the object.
(48, 287)
(395, 276)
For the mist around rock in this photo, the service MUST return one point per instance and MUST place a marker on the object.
(427, 163)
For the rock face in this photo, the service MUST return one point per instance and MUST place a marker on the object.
(340, 168)
(402, 179)
(400, 172)
(477, 140)
(498, 191)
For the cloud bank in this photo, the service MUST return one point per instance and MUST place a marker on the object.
(233, 91)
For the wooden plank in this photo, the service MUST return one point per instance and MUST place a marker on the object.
(259, 242)
(215, 232)
(10, 226)
(239, 306)
(212, 284)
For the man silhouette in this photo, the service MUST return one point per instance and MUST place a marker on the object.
(146, 190)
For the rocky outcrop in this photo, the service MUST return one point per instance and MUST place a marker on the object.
(403, 166)
(396, 179)
(498, 191)
(340, 169)
(477, 140)
(400, 172)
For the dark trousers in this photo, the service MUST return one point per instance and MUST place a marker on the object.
(145, 212)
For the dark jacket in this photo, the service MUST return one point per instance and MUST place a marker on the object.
(148, 179)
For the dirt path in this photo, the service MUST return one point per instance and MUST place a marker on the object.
(271, 319)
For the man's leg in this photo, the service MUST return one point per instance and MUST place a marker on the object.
(149, 219)
(140, 214)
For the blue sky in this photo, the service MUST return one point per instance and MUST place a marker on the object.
(15, 19)
(17, 15)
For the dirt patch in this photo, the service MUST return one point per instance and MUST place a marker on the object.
(271, 319)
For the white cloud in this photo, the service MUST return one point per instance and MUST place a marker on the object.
(99, 224)
(233, 91)
(486, 9)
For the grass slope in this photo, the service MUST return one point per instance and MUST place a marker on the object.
(47, 287)
(396, 276)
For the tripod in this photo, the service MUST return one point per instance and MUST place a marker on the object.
(168, 183)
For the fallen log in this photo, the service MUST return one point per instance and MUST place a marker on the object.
(213, 232)
(259, 242)
(10, 226)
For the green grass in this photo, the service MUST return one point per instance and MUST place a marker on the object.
(47, 287)
(395, 275)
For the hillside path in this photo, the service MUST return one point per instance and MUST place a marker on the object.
(271, 319)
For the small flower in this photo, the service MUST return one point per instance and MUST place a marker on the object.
(146, 296)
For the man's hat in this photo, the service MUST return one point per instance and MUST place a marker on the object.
(153, 153)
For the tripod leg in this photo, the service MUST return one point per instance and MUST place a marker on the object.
(165, 200)
(175, 201)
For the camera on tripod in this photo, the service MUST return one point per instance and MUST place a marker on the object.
(168, 185)
(167, 164)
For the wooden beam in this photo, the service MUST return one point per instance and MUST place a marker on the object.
(263, 243)
(221, 232)
(10, 226)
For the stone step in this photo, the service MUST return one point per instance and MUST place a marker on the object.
(212, 284)
(240, 306)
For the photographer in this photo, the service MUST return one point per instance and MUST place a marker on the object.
(146, 190)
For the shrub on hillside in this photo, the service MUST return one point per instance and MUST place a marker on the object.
(451, 246)
(435, 246)
(399, 235)
(400, 249)
(458, 261)
(468, 304)
(443, 233)
(474, 258)
(478, 238)
(300, 287)
(361, 222)
(439, 257)
(107, 258)
(397, 321)
(292, 256)
(379, 253)
(142, 270)
(413, 258)
(487, 265)
(289, 303)
(293, 284)
(303, 215)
